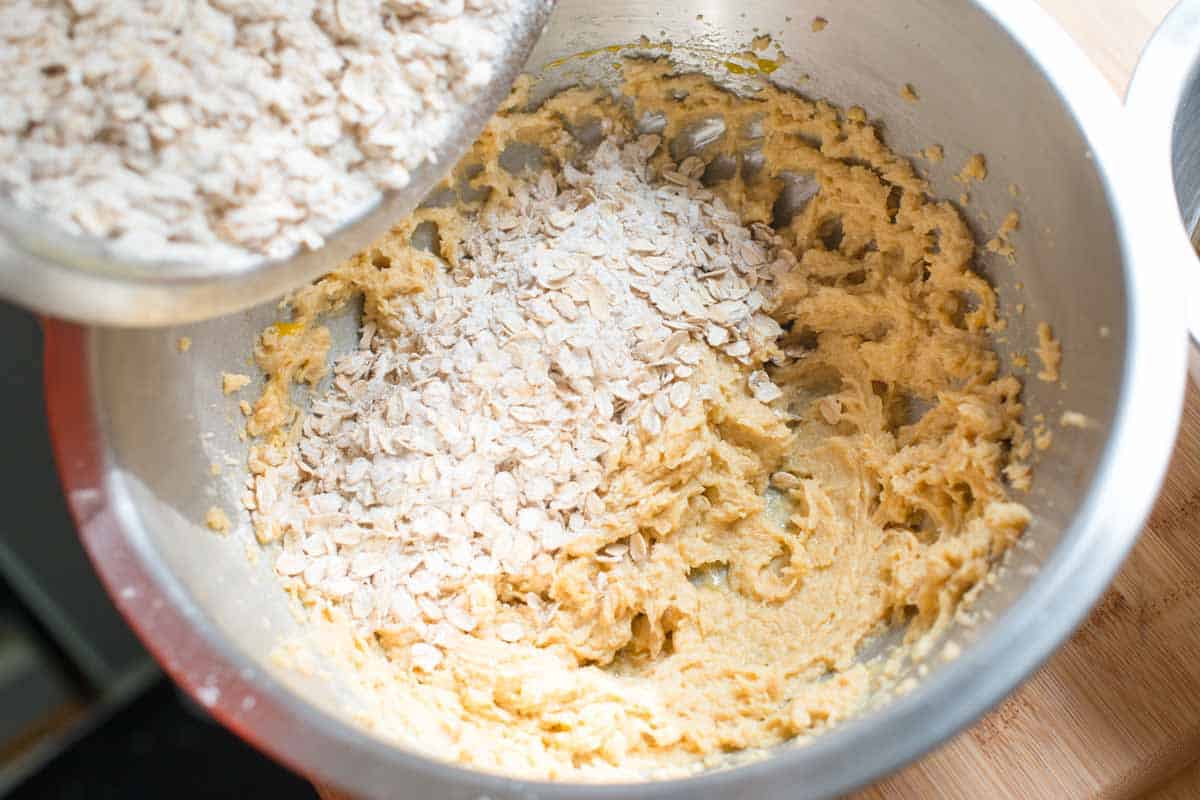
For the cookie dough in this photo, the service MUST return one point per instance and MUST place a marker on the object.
(781, 536)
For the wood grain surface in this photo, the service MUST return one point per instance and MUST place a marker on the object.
(1116, 712)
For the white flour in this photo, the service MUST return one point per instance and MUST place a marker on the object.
(226, 129)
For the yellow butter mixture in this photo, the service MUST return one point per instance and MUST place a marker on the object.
(848, 471)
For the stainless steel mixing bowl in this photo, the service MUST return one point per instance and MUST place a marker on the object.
(82, 279)
(137, 423)
(1163, 103)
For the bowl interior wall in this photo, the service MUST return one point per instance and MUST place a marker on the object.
(167, 421)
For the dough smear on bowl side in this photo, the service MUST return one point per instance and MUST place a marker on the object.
(633, 456)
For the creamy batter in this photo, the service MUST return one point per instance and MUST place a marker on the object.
(781, 536)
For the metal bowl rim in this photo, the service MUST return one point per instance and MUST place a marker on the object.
(334, 753)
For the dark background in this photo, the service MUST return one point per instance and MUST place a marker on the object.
(84, 711)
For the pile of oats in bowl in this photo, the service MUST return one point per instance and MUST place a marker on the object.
(467, 439)
(220, 130)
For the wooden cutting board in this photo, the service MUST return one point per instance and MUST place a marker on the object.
(1116, 712)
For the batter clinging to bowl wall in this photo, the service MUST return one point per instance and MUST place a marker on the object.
(625, 471)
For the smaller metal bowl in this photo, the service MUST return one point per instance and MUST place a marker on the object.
(1163, 107)
(81, 279)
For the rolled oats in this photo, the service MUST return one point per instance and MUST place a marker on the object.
(211, 129)
(467, 447)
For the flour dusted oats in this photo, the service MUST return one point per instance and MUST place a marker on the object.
(223, 129)
(471, 445)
